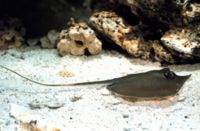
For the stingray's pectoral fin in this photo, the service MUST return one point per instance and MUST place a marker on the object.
(110, 86)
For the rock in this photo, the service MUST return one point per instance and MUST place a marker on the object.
(114, 27)
(52, 104)
(53, 37)
(11, 33)
(182, 42)
(10, 39)
(32, 42)
(161, 54)
(45, 43)
(75, 98)
(192, 13)
(78, 39)
(12, 23)
(167, 13)
(30, 121)
(50, 40)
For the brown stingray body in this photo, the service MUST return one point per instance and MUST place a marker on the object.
(152, 84)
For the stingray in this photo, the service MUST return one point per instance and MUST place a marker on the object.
(151, 84)
(155, 83)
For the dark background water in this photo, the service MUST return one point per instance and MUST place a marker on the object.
(39, 16)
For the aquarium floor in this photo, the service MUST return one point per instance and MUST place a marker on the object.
(89, 108)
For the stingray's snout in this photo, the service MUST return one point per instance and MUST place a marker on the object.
(186, 77)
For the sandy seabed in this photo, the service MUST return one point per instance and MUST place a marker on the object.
(27, 106)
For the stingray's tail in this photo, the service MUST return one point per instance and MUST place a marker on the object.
(47, 84)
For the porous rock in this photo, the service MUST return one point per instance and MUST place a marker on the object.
(115, 27)
(169, 13)
(78, 39)
(10, 39)
(11, 33)
(183, 42)
(161, 54)
(192, 12)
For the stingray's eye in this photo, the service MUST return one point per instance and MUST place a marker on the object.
(169, 74)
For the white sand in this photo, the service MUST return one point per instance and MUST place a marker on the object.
(97, 109)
